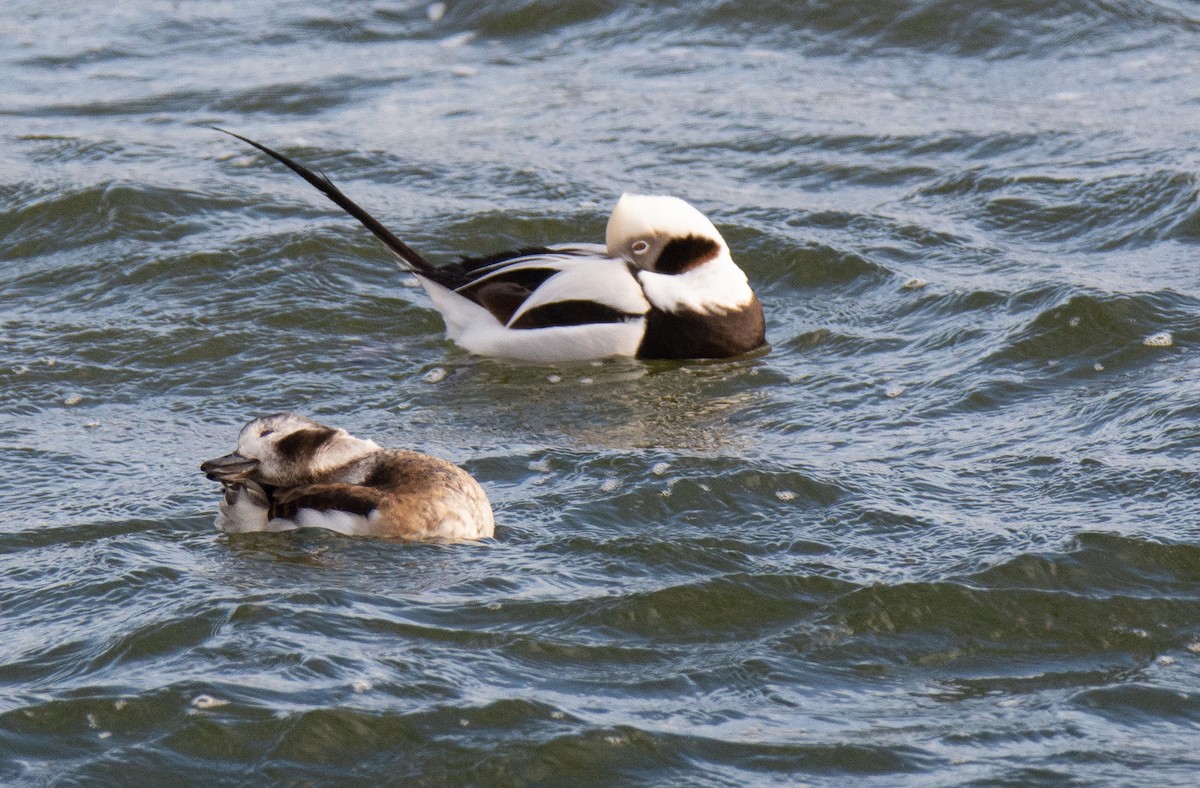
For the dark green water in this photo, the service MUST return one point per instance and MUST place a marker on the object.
(946, 532)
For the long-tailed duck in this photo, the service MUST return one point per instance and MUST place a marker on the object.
(664, 286)
(291, 472)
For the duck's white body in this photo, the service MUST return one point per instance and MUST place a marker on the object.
(582, 272)
(290, 472)
(662, 286)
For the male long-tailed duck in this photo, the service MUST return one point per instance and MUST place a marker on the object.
(664, 286)
(291, 472)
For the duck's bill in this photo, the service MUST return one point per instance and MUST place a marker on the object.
(230, 468)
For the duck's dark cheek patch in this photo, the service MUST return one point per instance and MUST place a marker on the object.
(684, 254)
(304, 443)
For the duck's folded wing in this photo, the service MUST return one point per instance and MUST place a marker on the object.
(586, 290)
(349, 498)
(567, 284)
(475, 269)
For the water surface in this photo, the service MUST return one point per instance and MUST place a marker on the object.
(945, 532)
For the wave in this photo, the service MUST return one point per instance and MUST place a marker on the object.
(509, 741)
(1102, 563)
(996, 29)
(1105, 594)
(43, 221)
(1122, 210)
(1093, 332)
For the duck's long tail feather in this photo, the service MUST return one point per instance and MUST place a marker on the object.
(411, 257)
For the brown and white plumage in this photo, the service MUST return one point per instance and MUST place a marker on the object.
(289, 472)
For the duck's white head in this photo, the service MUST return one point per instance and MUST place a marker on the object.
(286, 450)
(662, 234)
(683, 263)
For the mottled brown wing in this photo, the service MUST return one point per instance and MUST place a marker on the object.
(325, 497)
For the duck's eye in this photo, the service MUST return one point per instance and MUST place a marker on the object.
(265, 433)
(640, 247)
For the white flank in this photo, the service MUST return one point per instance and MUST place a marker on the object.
(339, 521)
(461, 314)
(557, 344)
(602, 279)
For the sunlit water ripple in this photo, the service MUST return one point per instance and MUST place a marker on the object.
(944, 532)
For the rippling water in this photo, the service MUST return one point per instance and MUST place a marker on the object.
(944, 532)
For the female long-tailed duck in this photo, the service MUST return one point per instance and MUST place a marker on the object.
(291, 472)
(664, 286)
